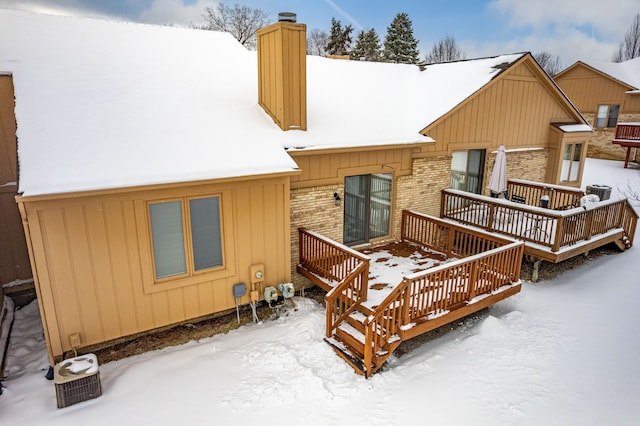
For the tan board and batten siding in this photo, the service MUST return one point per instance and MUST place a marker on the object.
(329, 167)
(588, 88)
(515, 110)
(282, 75)
(14, 256)
(95, 276)
(495, 115)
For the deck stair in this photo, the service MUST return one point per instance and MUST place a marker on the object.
(485, 269)
(349, 339)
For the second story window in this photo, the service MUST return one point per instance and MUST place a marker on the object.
(607, 116)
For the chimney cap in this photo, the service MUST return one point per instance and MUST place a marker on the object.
(287, 17)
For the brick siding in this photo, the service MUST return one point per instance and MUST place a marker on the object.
(315, 209)
(600, 145)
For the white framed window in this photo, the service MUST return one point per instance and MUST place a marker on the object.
(607, 116)
(571, 162)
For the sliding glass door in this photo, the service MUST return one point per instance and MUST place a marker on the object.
(367, 207)
(467, 169)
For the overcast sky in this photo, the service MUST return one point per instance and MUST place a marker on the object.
(572, 29)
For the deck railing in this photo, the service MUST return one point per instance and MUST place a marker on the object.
(335, 262)
(628, 132)
(627, 136)
(549, 228)
(629, 223)
(436, 291)
(560, 197)
(446, 237)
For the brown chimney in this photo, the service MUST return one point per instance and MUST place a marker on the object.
(282, 72)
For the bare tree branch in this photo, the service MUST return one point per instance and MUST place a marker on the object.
(317, 41)
(630, 47)
(242, 22)
(631, 191)
(445, 50)
(551, 65)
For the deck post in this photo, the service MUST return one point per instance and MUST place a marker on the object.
(559, 234)
(490, 219)
(442, 200)
(588, 225)
(626, 158)
(406, 314)
(368, 355)
(536, 270)
(329, 320)
(473, 278)
(450, 232)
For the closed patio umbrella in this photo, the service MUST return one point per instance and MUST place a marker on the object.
(498, 180)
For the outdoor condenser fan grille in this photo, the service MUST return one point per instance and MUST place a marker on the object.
(76, 380)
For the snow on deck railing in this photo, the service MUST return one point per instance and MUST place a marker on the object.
(628, 132)
(550, 228)
(330, 259)
(437, 290)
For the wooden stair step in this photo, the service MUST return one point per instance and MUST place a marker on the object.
(352, 338)
(356, 319)
(343, 352)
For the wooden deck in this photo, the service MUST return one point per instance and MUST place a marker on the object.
(551, 235)
(627, 136)
(480, 269)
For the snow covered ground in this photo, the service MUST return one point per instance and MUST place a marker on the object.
(563, 351)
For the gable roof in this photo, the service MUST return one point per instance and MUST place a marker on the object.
(537, 71)
(103, 105)
(627, 73)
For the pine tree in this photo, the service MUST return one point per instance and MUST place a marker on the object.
(400, 45)
(339, 38)
(367, 46)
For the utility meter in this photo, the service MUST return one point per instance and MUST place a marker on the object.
(257, 273)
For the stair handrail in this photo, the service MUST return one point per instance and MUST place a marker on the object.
(335, 262)
(345, 297)
(397, 311)
(629, 222)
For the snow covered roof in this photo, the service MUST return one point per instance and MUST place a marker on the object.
(572, 128)
(627, 72)
(104, 105)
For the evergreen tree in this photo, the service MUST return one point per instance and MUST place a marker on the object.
(400, 45)
(339, 38)
(367, 46)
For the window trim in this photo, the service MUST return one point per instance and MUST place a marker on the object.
(570, 168)
(607, 118)
(481, 171)
(367, 237)
(151, 284)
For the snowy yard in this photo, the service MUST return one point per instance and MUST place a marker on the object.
(563, 351)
